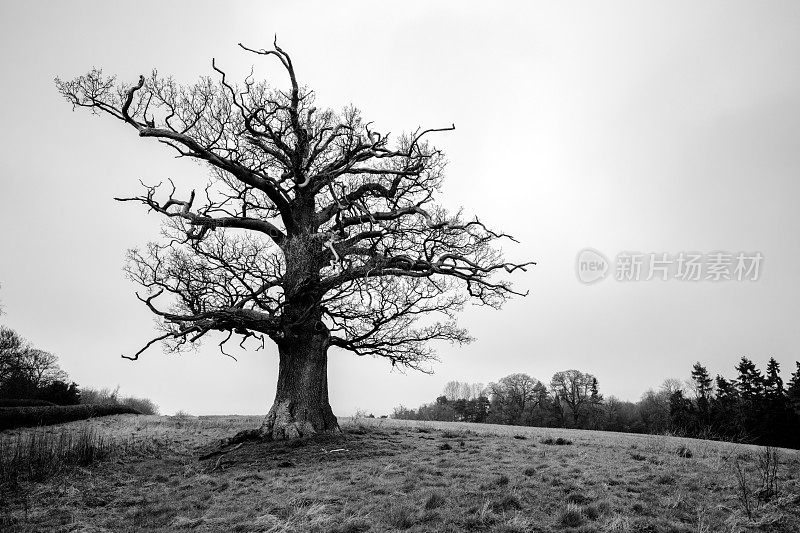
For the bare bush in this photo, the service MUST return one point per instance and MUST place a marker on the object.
(759, 485)
(99, 396)
(143, 405)
(767, 466)
(108, 396)
(743, 493)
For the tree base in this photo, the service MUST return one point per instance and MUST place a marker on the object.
(285, 422)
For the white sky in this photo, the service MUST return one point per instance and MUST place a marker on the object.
(619, 126)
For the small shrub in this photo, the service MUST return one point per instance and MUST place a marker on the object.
(529, 471)
(638, 457)
(445, 446)
(502, 479)
(520, 437)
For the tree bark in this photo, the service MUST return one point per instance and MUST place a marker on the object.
(301, 405)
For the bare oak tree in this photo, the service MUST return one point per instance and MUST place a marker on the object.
(574, 388)
(314, 231)
(514, 394)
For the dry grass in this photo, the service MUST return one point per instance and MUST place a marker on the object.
(388, 475)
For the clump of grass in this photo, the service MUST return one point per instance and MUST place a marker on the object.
(638, 457)
(683, 451)
(572, 516)
(401, 516)
(445, 446)
(351, 525)
(520, 437)
(517, 524)
(577, 498)
(594, 511)
(666, 479)
(502, 479)
(560, 441)
(508, 502)
(529, 471)
(433, 501)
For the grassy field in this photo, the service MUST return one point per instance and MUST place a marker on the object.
(388, 475)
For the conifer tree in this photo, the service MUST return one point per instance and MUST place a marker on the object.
(702, 385)
(793, 389)
(773, 384)
(750, 382)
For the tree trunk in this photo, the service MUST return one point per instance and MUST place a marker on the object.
(575, 415)
(301, 405)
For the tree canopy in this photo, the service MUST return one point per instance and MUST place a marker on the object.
(293, 184)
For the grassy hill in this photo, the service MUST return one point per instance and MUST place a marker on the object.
(390, 475)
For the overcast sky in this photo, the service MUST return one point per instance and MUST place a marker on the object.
(620, 126)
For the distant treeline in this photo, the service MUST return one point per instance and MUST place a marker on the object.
(30, 373)
(754, 407)
(30, 377)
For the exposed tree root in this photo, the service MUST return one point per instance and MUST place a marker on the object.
(233, 443)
